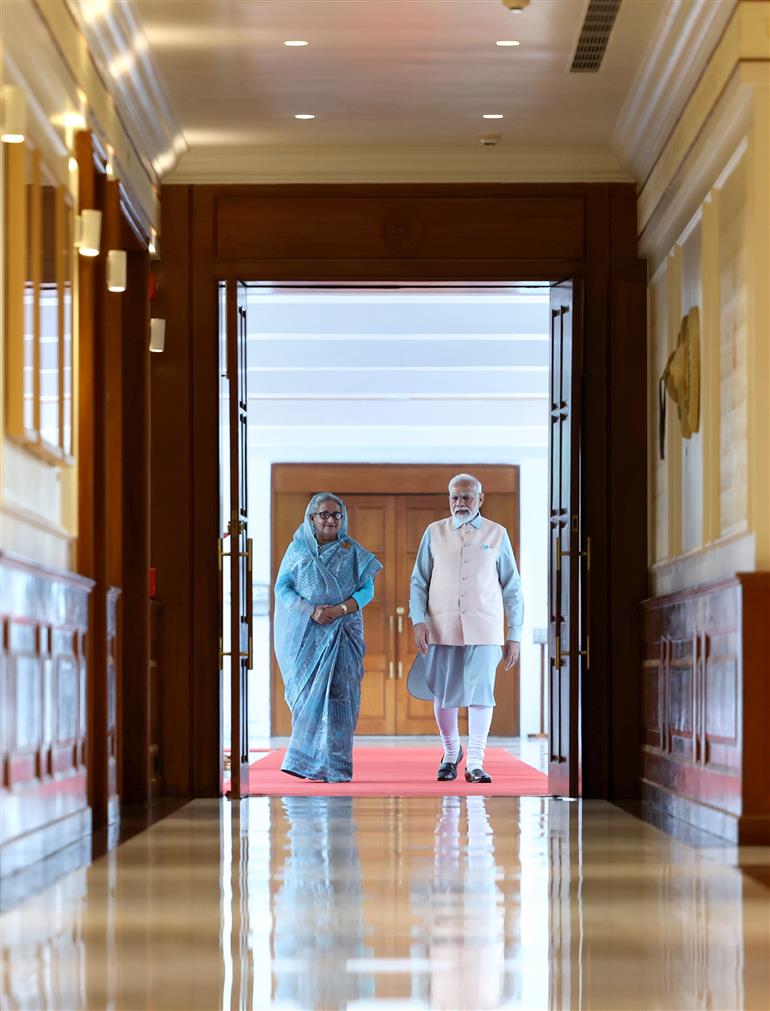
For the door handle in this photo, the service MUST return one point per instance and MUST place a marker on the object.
(250, 602)
(587, 651)
(400, 669)
(221, 555)
(400, 611)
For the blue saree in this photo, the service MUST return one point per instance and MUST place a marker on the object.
(322, 665)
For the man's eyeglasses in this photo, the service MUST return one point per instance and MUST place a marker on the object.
(329, 516)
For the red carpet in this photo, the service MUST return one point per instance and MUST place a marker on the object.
(401, 772)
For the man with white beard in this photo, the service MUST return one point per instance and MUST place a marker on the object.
(464, 582)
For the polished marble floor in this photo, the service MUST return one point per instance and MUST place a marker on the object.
(453, 903)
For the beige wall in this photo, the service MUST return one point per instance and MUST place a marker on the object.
(705, 229)
(38, 500)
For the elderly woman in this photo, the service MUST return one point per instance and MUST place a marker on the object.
(324, 581)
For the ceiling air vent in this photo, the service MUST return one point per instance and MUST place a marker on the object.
(594, 36)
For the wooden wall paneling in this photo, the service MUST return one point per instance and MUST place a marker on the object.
(135, 708)
(370, 226)
(704, 706)
(627, 489)
(206, 727)
(92, 482)
(43, 719)
(172, 490)
(505, 259)
(155, 749)
(86, 377)
(596, 423)
(388, 478)
(112, 337)
(755, 707)
(112, 677)
(112, 308)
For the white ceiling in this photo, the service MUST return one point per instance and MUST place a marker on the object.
(403, 74)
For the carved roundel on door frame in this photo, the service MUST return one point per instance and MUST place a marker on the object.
(402, 230)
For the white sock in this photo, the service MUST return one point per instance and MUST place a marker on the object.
(479, 722)
(447, 727)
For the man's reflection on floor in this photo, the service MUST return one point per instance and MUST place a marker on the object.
(318, 910)
(466, 914)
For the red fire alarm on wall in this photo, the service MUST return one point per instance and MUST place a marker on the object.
(152, 584)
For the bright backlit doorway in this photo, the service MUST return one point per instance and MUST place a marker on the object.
(393, 374)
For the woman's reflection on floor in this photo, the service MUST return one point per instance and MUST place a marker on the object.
(466, 913)
(318, 910)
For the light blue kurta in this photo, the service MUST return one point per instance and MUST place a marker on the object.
(462, 675)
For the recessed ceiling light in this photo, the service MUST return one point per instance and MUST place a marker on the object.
(304, 115)
(492, 115)
(507, 42)
(296, 42)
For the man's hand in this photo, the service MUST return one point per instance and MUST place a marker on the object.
(510, 653)
(421, 637)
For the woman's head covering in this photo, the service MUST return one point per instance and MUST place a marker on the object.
(307, 528)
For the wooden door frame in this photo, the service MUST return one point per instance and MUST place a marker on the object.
(382, 479)
(433, 233)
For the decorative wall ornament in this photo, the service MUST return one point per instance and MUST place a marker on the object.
(681, 379)
(402, 230)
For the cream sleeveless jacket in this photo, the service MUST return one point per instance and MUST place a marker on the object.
(465, 600)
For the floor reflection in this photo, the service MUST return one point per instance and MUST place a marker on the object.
(461, 903)
(317, 906)
(465, 921)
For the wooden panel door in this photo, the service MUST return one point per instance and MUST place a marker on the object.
(288, 512)
(391, 526)
(240, 545)
(503, 508)
(414, 512)
(372, 522)
(564, 542)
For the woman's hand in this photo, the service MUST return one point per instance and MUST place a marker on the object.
(325, 614)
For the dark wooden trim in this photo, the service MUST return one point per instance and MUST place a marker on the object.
(134, 694)
(611, 417)
(627, 487)
(206, 688)
(92, 452)
(387, 478)
(171, 502)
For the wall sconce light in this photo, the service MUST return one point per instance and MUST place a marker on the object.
(90, 232)
(116, 270)
(157, 334)
(14, 128)
(153, 247)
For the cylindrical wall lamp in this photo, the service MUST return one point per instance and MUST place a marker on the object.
(157, 334)
(14, 120)
(90, 232)
(116, 270)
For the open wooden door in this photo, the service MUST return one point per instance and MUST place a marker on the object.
(564, 584)
(236, 649)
